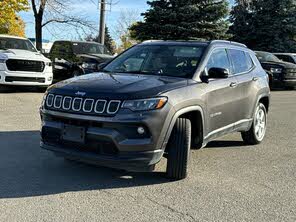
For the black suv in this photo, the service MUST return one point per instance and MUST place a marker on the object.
(281, 74)
(159, 98)
(76, 58)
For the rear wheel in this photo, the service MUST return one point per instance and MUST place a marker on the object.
(257, 132)
(179, 150)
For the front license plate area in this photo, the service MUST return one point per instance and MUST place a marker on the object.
(73, 134)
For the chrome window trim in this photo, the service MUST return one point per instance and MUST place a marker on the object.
(73, 103)
(118, 106)
(92, 105)
(67, 97)
(105, 103)
(54, 103)
(47, 100)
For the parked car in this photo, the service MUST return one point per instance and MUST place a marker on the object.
(22, 64)
(281, 74)
(72, 58)
(287, 57)
(157, 99)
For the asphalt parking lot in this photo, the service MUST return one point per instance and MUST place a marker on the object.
(227, 181)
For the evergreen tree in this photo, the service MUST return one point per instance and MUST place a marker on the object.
(268, 25)
(109, 42)
(183, 20)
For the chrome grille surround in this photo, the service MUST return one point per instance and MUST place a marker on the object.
(110, 103)
(59, 105)
(64, 101)
(104, 107)
(50, 100)
(82, 105)
(85, 103)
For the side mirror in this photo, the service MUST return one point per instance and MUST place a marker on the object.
(218, 73)
(101, 66)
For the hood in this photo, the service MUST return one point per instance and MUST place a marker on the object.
(23, 54)
(282, 64)
(118, 86)
(100, 57)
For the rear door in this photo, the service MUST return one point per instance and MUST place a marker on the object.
(221, 102)
(243, 69)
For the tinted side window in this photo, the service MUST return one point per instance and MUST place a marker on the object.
(64, 48)
(286, 58)
(249, 61)
(239, 61)
(55, 48)
(219, 59)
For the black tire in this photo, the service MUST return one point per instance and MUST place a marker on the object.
(250, 137)
(179, 150)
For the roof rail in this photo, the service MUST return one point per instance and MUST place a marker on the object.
(229, 42)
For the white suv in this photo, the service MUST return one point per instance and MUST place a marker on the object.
(22, 64)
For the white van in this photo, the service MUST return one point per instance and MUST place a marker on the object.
(22, 64)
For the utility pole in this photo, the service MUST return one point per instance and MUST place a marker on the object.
(102, 21)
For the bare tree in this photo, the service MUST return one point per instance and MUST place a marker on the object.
(121, 31)
(126, 18)
(55, 11)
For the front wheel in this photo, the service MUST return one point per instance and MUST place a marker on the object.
(179, 150)
(257, 132)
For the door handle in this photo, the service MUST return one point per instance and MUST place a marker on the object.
(255, 79)
(233, 84)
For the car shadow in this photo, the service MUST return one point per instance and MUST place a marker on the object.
(217, 144)
(26, 170)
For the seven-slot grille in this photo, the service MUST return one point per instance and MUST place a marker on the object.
(25, 65)
(82, 105)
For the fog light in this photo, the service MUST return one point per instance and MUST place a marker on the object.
(141, 130)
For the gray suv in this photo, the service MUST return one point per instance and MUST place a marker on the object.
(157, 99)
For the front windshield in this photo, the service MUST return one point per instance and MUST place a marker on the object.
(12, 43)
(89, 48)
(168, 60)
(267, 57)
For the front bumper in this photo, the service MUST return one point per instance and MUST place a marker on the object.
(290, 82)
(130, 161)
(44, 78)
(109, 141)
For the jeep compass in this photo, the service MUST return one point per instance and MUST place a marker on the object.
(157, 99)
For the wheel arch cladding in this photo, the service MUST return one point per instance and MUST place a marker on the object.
(196, 116)
(265, 102)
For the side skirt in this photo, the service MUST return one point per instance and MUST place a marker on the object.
(240, 126)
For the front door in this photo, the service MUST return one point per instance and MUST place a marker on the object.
(221, 102)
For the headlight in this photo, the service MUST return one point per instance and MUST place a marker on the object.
(145, 104)
(48, 64)
(276, 70)
(3, 58)
(86, 65)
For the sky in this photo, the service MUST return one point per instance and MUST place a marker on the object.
(89, 9)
